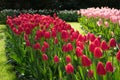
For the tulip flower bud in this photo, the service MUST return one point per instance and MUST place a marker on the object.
(112, 42)
(36, 46)
(78, 52)
(90, 73)
(69, 47)
(109, 66)
(104, 45)
(68, 59)
(56, 59)
(100, 69)
(86, 62)
(97, 52)
(69, 68)
(44, 57)
(118, 55)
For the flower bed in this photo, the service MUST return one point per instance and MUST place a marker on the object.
(45, 47)
(104, 22)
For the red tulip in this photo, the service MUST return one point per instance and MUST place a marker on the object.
(86, 62)
(100, 69)
(112, 42)
(64, 35)
(69, 47)
(80, 38)
(26, 37)
(43, 49)
(47, 35)
(97, 42)
(36, 46)
(27, 31)
(45, 44)
(92, 37)
(78, 52)
(54, 33)
(104, 45)
(109, 66)
(20, 29)
(75, 34)
(27, 43)
(39, 34)
(65, 48)
(118, 55)
(56, 59)
(71, 38)
(92, 47)
(90, 73)
(68, 59)
(71, 31)
(69, 68)
(55, 40)
(97, 52)
(44, 57)
(80, 44)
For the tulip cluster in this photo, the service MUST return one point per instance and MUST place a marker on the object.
(45, 47)
(104, 22)
(103, 12)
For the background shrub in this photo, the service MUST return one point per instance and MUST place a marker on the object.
(69, 16)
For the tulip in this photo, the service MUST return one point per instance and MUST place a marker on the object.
(71, 31)
(106, 24)
(36, 46)
(68, 59)
(97, 42)
(78, 52)
(92, 46)
(55, 40)
(86, 62)
(90, 73)
(27, 31)
(47, 35)
(28, 43)
(69, 47)
(45, 44)
(44, 57)
(118, 56)
(112, 42)
(43, 49)
(54, 33)
(71, 38)
(20, 29)
(80, 38)
(75, 35)
(26, 37)
(92, 37)
(100, 69)
(64, 35)
(56, 59)
(104, 45)
(97, 52)
(99, 23)
(69, 68)
(109, 66)
(39, 34)
(65, 48)
(80, 44)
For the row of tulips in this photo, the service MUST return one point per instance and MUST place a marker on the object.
(47, 48)
(103, 22)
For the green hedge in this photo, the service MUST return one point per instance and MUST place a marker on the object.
(69, 16)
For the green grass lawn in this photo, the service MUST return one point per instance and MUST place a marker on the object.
(5, 73)
(76, 26)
